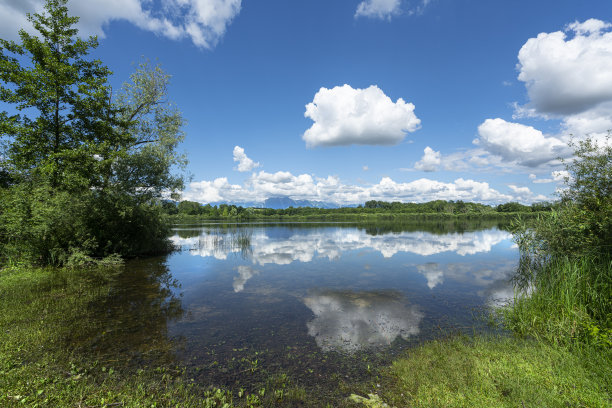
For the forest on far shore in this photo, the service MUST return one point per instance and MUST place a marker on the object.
(192, 209)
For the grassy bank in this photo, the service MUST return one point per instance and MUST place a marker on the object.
(65, 342)
(497, 372)
(560, 352)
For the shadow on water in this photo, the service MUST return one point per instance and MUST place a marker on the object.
(126, 319)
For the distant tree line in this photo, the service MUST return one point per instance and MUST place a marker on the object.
(225, 211)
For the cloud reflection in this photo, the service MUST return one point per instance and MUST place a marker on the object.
(348, 321)
(317, 243)
(244, 274)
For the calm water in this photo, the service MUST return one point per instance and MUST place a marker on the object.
(322, 304)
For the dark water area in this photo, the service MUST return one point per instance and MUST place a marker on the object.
(318, 305)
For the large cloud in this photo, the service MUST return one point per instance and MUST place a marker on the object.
(202, 21)
(568, 76)
(382, 9)
(519, 143)
(344, 116)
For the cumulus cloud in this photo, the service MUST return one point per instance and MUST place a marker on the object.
(344, 116)
(204, 22)
(560, 175)
(263, 185)
(542, 181)
(430, 160)
(568, 75)
(519, 143)
(244, 163)
(524, 194)
(381, 9)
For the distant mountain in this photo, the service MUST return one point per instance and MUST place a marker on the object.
(279, 203)
(283, 202)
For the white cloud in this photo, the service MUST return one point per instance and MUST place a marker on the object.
(263, 185)
(560, 175)
(202, 21)
(568, 76)
(524, 194)
(430, 160)
(244, 163)
(382, 9)
(519, 143)
(366, 168)
(344, 116)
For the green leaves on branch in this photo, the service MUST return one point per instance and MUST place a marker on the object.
(81, 168)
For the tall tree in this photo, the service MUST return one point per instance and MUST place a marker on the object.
(81, 173)
(62, 99)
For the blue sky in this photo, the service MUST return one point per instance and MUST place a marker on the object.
(349, 100)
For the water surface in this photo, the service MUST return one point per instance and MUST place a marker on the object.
(324, 303)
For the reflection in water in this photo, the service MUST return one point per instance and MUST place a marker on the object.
(350, 321)
(265, 248)
(492, 280)
(127, 320)
(432, 272)
(244, 274)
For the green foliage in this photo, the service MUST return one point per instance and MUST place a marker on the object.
(63, 99)
(565, 271)
(43, 226)
(371, 211)
(567, 302)
(81, 174)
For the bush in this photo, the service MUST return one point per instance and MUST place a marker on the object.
(41, 225)
(565, 270)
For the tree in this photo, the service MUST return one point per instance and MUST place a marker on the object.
(142, 163)
(582, 224)
(81, 173)
(63, 99)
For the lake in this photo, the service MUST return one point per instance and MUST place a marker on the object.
(322, 305)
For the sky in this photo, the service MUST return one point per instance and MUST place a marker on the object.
(346, 101)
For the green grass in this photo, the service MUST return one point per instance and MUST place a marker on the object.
(569, 302)
(497, 372)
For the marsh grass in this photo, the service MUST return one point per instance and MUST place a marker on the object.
(570, 303)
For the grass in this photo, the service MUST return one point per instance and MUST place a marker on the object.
(569, 303)
(498, 372)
